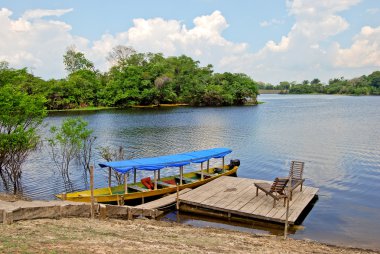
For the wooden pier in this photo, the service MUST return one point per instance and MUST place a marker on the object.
(237, 196)
(164, 201)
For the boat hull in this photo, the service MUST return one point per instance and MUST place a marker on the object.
(116, 194)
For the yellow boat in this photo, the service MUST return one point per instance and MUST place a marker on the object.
(159, 186)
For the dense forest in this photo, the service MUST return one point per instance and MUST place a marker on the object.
(364, 85)
(134, 79)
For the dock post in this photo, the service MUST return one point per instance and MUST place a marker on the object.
(287, 210)
(92, 191)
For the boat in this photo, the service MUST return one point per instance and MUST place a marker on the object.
(145, 188)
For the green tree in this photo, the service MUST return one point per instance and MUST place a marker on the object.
(67, 142)
(75, 61)
(20, 116)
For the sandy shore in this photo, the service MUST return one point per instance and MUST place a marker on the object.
(75, 235)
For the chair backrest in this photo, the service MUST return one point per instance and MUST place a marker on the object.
(278, 185)
(296, 170)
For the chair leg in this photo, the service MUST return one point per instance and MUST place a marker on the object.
(301, 186)
(274, 203)
(284, 201)
(291, 196)
(257, 191)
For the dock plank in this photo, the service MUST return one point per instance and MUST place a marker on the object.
(237, 196)
(221, 195)
(206, 192)
(164, 201)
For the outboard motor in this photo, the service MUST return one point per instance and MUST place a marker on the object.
(234, 163)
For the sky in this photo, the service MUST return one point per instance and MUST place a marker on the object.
(271, 40)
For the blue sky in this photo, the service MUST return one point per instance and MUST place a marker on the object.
(271, 40)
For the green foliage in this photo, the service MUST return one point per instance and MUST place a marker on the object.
(20, 116)
(75, 61)
(67, 142)
(364, 85)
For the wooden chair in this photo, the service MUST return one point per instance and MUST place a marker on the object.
(276, 190)
(295, 177)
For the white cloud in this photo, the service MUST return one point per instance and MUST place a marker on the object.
(308, 51)
(364, 51)
(40, 43)
(313, 8)
(36, 43)
(40, 13)
(282, 46)
(271, 22)
(39, 39)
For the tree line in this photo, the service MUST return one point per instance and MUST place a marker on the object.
(134, 79)
(364, 85)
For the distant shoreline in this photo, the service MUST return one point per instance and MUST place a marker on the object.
(138, 106)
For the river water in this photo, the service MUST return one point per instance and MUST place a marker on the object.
(338, 138)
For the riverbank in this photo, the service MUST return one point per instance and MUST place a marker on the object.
(118, 236)
(91, 108)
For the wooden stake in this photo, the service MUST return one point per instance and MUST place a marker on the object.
(177, 201)
(92, 192)
(109, 177)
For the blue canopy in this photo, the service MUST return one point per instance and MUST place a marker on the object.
(174, 160)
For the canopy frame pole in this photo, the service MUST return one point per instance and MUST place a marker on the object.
(125, 183)
(155, 179)
(208, 166)
(223, 164)
(109, 176)
(134, 175)
(202, 171)
(180, 175)
(159, 174)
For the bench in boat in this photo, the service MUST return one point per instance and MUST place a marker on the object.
(184, 180)
(164, 185)
(205, 175)
(137, 188)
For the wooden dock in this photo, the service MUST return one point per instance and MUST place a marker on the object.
(164, 201)
(237, 196)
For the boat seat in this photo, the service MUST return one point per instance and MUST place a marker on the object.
(137, 188)
(164, 185)
(185, 180)
(205, 175)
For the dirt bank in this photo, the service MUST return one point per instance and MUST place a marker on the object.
(118, 236)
